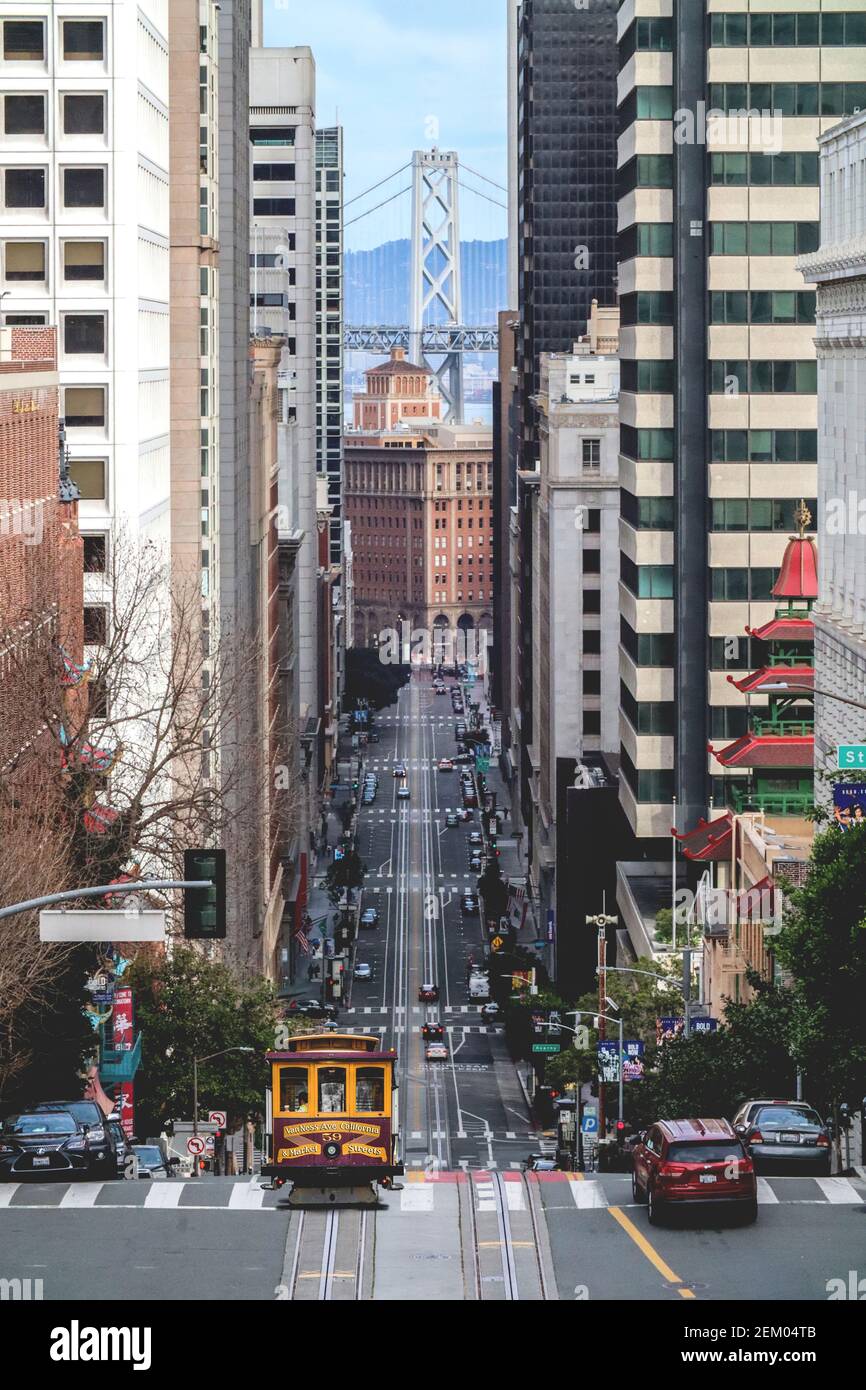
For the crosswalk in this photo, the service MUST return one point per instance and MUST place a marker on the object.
(563, 1191)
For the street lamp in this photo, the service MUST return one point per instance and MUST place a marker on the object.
(195, 1061)
(812, 690)
(591, 1013)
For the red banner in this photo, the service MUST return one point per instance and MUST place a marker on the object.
(126, 1107)
(122, 1020)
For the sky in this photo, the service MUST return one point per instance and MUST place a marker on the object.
(400, 75)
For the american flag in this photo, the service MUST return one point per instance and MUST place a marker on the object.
(303, 942)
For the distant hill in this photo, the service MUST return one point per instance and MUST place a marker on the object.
(377, 282)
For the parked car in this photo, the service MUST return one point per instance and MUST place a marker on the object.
(363, 971)
(451, 820)
(122, 1148)
(475, 863)
(48, 1143)
(152, 1163)
(465, 814)
(693, 1163)
(539, 1163)
(368, 797)
(428, 993)
(370, 917)
(784, 1132)
(101, 1144)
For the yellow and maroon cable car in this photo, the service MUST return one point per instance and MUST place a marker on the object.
(334, 1124)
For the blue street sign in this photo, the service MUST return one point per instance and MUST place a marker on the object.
(588, 1123)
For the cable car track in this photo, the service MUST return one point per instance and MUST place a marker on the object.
(329, 1255)
(502, 1272)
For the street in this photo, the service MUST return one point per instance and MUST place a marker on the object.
(468, 1224)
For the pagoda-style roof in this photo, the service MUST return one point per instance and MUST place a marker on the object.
(798, 576)
(767, 750)
(784, 629)
(796, 676)
(708, 839)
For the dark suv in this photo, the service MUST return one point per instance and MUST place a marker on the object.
(694, 1163)
(102, 1157)
(787, 1133)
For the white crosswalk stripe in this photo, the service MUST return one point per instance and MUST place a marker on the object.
(246, 1196)
(83, 1196)
(766, 1195)
(587, 1194)
(165, 1195)
(839, 1191)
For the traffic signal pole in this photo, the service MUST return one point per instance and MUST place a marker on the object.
(105, 890)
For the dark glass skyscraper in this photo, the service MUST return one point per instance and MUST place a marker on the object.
(566, 179)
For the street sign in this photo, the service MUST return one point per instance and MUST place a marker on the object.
(589, 1122)
(195, 1144)
(849, 755)
(218, 1118)
(546, 1047)
(496, 944)
(101, 925)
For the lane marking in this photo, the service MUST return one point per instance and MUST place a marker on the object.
(587, 1194)
(164, 1195)
(82, 1196)
(766, 1195)
(246, 1198)
(646, 1249)
(839, 1190)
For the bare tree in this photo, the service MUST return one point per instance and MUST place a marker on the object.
(119, 765)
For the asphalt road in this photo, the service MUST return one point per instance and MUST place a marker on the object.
(468, 1224)
(469, 1110)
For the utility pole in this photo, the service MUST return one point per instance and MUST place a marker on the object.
(602, 920)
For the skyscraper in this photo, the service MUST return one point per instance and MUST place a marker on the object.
(718, 411)
(329, 325)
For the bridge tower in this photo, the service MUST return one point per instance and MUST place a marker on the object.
(435, 291)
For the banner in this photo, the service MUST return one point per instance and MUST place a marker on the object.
(608, 1061)
(632, 1060)
(121, 1020)
(516, 908)
(125, 1104)
(849, 804)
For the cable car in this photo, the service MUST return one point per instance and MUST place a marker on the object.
(333, 1119)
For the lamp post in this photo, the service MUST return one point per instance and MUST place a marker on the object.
(195, 1061)
(602, 920)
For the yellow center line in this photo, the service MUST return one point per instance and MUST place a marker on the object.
(646, 1249)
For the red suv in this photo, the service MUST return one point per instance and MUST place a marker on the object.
(680, 1163)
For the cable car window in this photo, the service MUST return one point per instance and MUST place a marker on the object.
(294, 1095)
(332, 1090)
(370, 1089)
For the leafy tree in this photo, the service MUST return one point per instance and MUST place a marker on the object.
(493, 889)
(344, 875)
(368, 678)
(823, 946)
(188, 1006)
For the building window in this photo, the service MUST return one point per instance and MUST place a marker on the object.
(272, 135)
(273, 173)
(24, 261)
(84, 260)
(84, 407)
(592, 682)
(591, 562)
(592, 643)
(84, 113)
(273, 207)
(592, 723)
(88, 476)
(592, 601)
(84, 334)
(95, 553)
(83, 188)
(24, 114)
(23, 40)
(95, 624)
(24, 188)
(83, 40)
(590, 450)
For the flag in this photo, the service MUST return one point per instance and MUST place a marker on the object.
(302, 942)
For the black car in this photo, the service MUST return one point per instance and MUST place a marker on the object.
(104, 1160)
(122, 1146)
(313, 1008)
(44, 1144)
(787, 1133)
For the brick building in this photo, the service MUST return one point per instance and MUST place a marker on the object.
(41, 556)
(419, 497)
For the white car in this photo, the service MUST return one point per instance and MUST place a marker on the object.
(403, 793)
(446, 765)
(490, 1010)
(363, 971)
(436, 1052)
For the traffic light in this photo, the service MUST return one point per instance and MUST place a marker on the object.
(204, 909)
(620, 1132)
(844, 1116)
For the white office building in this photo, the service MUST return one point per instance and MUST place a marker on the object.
(838, 268)
(84, 210)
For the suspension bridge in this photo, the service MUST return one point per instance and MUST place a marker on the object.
(436, 332)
